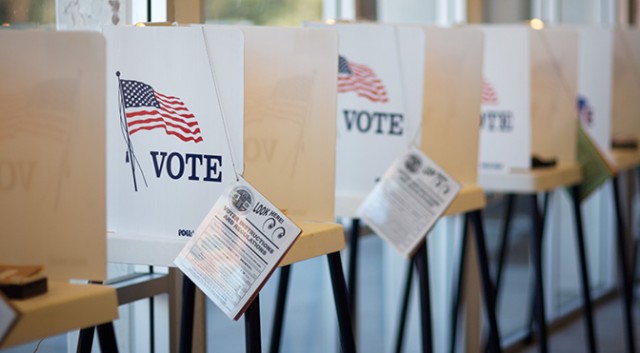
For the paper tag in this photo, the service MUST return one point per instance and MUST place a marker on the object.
(408, 200)
(236, 248)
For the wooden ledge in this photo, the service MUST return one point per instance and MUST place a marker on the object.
(65, 307)
(317, 239)
(530, 181)
(470, 198)
(624, 159)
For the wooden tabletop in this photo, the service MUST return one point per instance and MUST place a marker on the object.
(470, 198)
(532, 180)
(624, 159)
(317, 239)
(65, 307)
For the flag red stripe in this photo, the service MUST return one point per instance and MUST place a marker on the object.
(170, 114)
(134, 124)
(177, 105)
(163, 125)
(357, 85)
(363, 81)
(169, 132)
(155, 112)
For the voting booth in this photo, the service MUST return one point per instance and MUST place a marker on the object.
(595, 83)
(528, 97)
(451, 97)
(174, 134)
(52, 147)
(451, 104)
(52, 180)
(528, 138)
(376, 121)
(289, 130)
(626, 87)
(528, 116)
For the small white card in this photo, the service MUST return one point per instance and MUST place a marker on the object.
(408, 200)
(236, 248)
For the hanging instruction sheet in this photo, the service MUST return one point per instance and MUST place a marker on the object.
(408, 201)
(236, 248)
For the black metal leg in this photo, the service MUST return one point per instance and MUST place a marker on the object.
(625, 282)
(107, 338)
(421, 261)
(584, 271)
(352, 278)
(152, 321)
(404, 308)
(636, 246)
(536, 261)
(532, 312)
(342, 305)
(278, 319)
(487, 284)
(152, 325)
(186, 318)
(504, 241)
(252, 338)
(85, 340)
(457, 290)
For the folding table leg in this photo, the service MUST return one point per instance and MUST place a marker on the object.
(457, 291)
(421, 261)
(504, 240)
(281, 300)
(352, 270)
(584, 271)
(536, 261)
(107, 338)
(253, 340)
(342, 305)
(404, 307)
(625, 282)
(186, 317)
(487, 284)
(85, 340)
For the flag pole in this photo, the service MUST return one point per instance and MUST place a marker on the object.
(123, 122)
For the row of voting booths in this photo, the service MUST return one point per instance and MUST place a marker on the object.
(138, 137)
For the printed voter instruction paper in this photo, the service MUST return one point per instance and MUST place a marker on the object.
(236, 248)
(408, 200)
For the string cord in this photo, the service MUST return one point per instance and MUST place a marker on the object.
(38, 346)
(222, 114)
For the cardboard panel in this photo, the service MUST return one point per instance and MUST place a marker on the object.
(505, 134)
(553, 93)
(290, 126)
(411, 52)
(159, 194)
(626, 83)
(225, 47)
(452, 95)
(595, 74)
(372, 118)
(52, 152)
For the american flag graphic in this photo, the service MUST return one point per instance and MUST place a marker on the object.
(148, 109)
(360, 79)
(489, 95)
